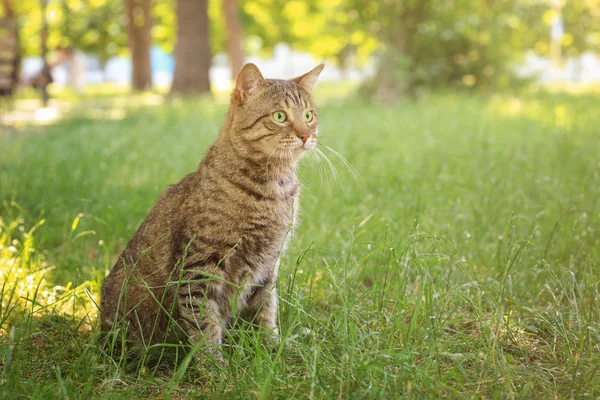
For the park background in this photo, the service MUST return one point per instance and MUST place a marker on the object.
(448, 244)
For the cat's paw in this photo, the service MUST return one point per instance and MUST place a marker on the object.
(209, 359)
(273, 341)
(218, 358)
(210, 369)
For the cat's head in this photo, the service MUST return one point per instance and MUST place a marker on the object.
(274, 118)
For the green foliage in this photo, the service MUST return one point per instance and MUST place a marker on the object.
(165, 25)
(465, 263)
(581, 23)
(428, 42)
(472, 42)
(463, 42)
(582, 26)
(163, 31)
(95, 27)
(449, 42)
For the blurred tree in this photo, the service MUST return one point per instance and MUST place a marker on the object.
(471, 43)
(234, 36)
(582, 29)
(165, 29)
(326, 29)
(97, 28)
(10, 52)
(415, 43)
(394, 24)
(441, 42)
(192, 49)
(581, 19)
(139, 24)
(265, 24)
(163, 33)
(582, 26)
(44, 78)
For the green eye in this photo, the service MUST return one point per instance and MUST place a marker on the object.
(279, 116)
(308, 116)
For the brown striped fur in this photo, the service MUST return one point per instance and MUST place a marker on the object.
(209, 248)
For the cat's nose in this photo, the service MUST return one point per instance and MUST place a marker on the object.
(303, 136)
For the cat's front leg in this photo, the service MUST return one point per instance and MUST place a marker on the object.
(261, 310)
(201, 320)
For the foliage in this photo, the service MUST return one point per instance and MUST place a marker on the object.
(165, 25)
(466, 263)
(163, 32)
(464, 42)
(581, 24)
(95, 27)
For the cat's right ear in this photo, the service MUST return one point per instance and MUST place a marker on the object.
(249, 79)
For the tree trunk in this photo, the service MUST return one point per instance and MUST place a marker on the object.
(192, 50)
(396, 71)
(234, 36)
(139, 25)
(343, 59)
(392, 72)
(45, 77)
(13, 38)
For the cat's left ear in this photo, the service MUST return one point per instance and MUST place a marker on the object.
(309, 79)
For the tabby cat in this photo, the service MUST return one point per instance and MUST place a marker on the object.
(209, 248)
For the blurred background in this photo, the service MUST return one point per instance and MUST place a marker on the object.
(389, 48)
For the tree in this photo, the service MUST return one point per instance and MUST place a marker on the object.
(234, 36)
(44, 78)
(139, 28)
(581, 19)
(192, 49)
(395, 73)
(99, 28)
(10, 50)
(443, 42)
(394, 25)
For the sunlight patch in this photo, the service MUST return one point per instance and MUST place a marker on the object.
(26, 291)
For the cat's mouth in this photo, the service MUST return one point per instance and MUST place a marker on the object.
(298, 146)
(309, 144)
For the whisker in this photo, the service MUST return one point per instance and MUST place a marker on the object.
(274, 150)
(355, 174)
(280, 165)
(301, 178)
(334, 172)
(322, 170)
(315, 156)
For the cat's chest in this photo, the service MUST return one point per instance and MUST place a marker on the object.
(276, 211)
(262, 240)
(270, 221)
(282, 190)
(264, 230)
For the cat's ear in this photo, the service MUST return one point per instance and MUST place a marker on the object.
(249, 79)
(309, 79)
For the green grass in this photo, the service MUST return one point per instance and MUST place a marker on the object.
(464, 263)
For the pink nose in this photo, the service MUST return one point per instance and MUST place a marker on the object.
(304, 136)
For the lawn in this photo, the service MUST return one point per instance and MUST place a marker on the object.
(462, 261)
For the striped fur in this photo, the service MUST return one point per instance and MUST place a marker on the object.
(209, 248)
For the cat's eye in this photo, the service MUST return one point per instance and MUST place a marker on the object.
(308, 116)
(279, 116)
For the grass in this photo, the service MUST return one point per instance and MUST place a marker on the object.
(464, 263)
